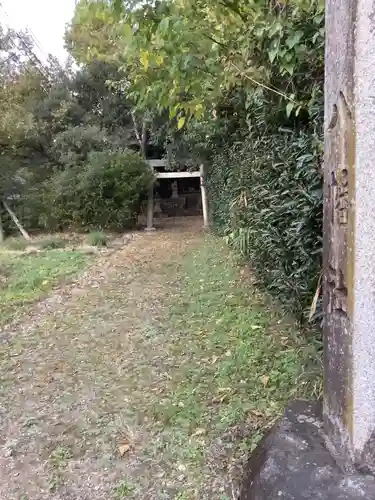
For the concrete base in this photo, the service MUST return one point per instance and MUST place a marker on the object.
(293, 463)
(150, 229)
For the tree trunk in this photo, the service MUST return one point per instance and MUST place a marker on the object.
(13, 216)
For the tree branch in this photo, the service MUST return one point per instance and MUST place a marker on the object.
(234, 8)
(144, 138)
(275, 91)
(139, 139)
(216, 41)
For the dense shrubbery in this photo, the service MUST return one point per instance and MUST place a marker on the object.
(104, 192)
(269, 208)
(65, 139)
(261, 140)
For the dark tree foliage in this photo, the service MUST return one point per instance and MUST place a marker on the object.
(53, 121)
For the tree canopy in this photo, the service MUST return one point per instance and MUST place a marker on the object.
(54, 119)
(185, 55)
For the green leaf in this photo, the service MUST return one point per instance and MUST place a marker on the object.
(289, 108)
(293, 39)
(259, 31)
(199, 110)
(275, 28)
(144, 60)
(272, 53)
(288, 67)
(117, 6)
(181, 122)
(164, 25)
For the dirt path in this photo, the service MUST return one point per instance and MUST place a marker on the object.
(149, 378)
(72, 375)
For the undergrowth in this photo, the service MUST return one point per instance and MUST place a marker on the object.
(239, 359)
(97, 239)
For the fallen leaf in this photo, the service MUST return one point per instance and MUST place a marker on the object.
(224, 393)
(199, 432)
(257, 413)
(265, 379)
(223, 398)
(124, 448)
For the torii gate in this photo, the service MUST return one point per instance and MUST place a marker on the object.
(154, 164)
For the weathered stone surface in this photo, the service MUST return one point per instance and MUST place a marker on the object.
(349, 231)
(339, 198)
(293, 463)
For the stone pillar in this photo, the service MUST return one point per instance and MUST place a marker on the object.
(349, 231)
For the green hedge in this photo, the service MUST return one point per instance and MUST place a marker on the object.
(266, 198)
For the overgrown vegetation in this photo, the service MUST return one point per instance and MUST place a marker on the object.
(242, 82)
(105, 192)
(64, 143)
(270, 208)
(97, 239)
(236, 85)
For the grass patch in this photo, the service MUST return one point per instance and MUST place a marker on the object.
(237, 359)
(60, 456)
(97, 239)
(123, 490)
(26, 278)
(58, 461)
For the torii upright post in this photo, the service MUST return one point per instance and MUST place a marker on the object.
(204, 198)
